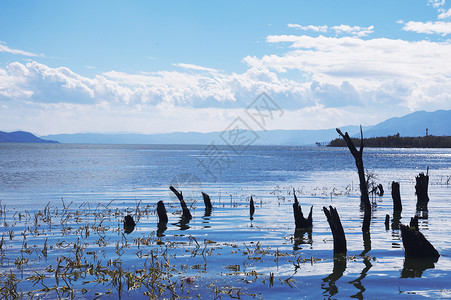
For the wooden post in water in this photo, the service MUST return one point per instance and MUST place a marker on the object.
(396, 196)
(337, 230)
(186, 213)
(364, 198)
(416, 245)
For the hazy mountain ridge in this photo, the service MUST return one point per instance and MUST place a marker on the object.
(438, 123)
(21, 137)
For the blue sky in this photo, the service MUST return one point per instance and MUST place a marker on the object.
(141, 66)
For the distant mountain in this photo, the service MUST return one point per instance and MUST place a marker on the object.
(270, 137)
(414, 124)
(21, 137)
(437, 122)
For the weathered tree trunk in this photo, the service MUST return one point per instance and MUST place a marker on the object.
(301, 222)
(416, 245)
(251, 208)
(162, 214)
(421, 190)
(387, 222)
(364, 198)
(337, 230)
(207, 201)
(396, 196)
(186, 213)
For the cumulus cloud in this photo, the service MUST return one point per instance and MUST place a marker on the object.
(339, 29)
(5, 48)
(439, 27)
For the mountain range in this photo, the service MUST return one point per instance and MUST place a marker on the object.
(414, 124)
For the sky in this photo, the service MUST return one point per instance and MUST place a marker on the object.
(171, 66)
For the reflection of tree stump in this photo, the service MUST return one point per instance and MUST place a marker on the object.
(251, 208)
(161, 211)
(416, 245)
(207, 201)
(337, 230)
(186, 213)
(396, 195)
(414, 267)
(421, 190)
(301, 222)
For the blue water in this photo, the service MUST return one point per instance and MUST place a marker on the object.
(32, 175)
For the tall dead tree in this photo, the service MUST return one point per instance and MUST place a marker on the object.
(186, 213)
(364, 198)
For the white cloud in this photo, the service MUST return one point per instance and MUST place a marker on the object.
(443, 28)
(194, 67)
(444, 14)
(339, 29)
(4, 48)
(436, 3)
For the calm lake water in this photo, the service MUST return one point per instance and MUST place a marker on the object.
(224, 253)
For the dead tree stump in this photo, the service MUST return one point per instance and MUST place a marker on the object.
(421, 190)
(337, 230)
(251, 208)
(358, 156)
(207, 201)
(162, 214)
(396, 196)
(129, 224)
(380, 190)
(301, 222)
(186, 215)
(416, 245)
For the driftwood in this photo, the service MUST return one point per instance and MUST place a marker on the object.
(129, 224)
(207, 201)
(337, 230)
(364, 197)
(421, 190)
(186, 213)
(416, 245)
(251, 208)
(301, 222)
(396, 196)
(161, 211)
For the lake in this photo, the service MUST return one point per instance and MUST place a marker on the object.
(63, 205)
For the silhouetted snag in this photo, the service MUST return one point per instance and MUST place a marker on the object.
(366, 243)
(161, 228)
(387, 222)
(337, 230)
(186, 214)
(396, 196)
(364, 198)
(161, 211)
(416, 245)
(207, 201)
(414, 223)
(252, 208)
(380, 190)
(129, 224)
(421, 190)
(301, 222)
